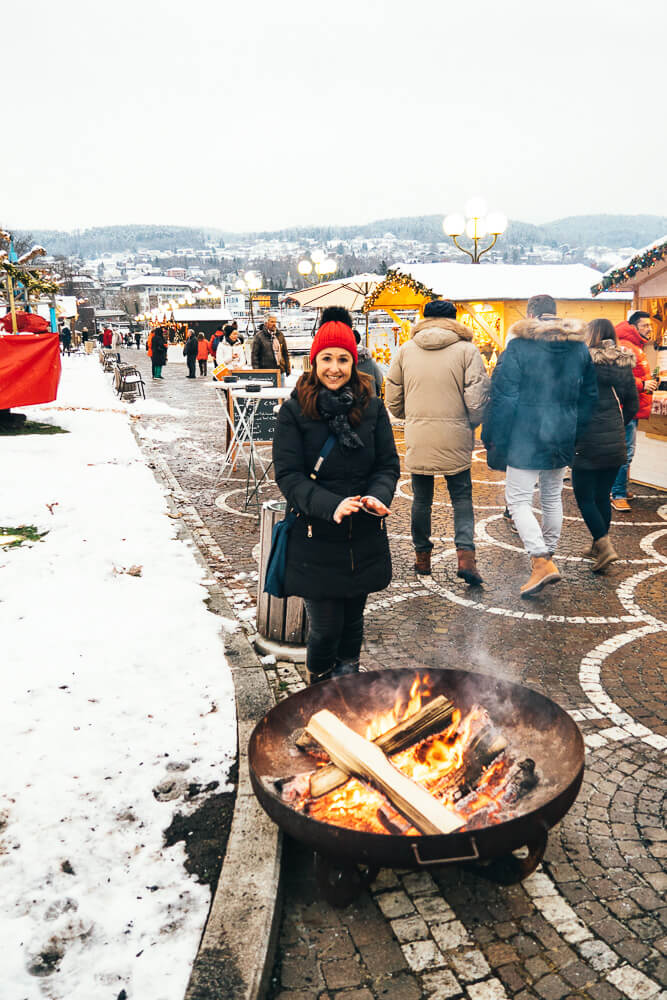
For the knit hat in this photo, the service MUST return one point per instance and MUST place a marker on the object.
(334, 334)
(440, 309)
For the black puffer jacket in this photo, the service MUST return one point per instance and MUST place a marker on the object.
(602, 445)
(325, 559)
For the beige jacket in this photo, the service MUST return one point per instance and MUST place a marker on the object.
(438, 384)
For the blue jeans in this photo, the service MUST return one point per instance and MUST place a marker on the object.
(460, 493)
(620, 487)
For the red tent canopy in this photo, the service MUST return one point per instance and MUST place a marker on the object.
(26, 322)
(29, 369)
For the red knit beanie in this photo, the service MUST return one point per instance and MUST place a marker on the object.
(334, 334)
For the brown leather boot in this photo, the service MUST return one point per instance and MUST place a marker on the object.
(605, 553)
(468, 567)
(423, 563)
(544, 572)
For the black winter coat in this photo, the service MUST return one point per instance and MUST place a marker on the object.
(543, 392)
(191, 348)
(602, 445)
(327, 560)
(158, 350)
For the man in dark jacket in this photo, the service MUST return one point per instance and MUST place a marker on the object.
(190, 352)
(368, 364)
(269, 348)
(542, 396)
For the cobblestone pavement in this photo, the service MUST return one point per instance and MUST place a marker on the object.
(592, 921)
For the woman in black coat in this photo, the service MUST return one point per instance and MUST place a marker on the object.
(190, 353)
(338, 551)
(601, 450)
(158, 352)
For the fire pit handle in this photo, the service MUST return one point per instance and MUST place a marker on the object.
(473, 856)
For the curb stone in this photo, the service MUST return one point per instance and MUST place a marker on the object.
(237, 949)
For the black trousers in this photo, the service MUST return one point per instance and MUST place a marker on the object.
(335, 633)
(192, 367)
(202, 366)
(460, 493)
(592, 488)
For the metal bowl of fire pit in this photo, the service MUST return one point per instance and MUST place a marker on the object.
(540, 740)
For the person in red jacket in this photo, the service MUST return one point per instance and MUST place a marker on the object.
(202, 353)
(632, 335)
(107, 337)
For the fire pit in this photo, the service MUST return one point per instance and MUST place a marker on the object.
(508, 765)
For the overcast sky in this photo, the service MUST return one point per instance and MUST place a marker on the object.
(272, 113)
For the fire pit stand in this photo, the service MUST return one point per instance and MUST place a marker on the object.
(348, 860)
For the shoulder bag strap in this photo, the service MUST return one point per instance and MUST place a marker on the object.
(326, 448)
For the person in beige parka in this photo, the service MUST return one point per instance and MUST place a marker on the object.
(438, 384)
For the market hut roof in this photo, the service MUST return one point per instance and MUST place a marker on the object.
(647, 264)
(484, 282)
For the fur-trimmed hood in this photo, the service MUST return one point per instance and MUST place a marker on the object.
(609, 353)
(434, 333)
(549, 328)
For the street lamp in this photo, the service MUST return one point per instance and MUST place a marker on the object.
(476, 227)
(250, 282)
(320, 264)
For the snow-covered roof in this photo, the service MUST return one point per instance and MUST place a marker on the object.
(158, 279)
(499, 282)
(628, 274)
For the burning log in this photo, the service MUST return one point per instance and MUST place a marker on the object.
(355, 755)
(483, 748)
(437, 715)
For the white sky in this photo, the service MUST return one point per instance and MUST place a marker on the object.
(272, 113)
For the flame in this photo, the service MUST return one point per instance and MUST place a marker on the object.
(380, 724)
(438, 763)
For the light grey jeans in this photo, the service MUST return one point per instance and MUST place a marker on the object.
(519, 487)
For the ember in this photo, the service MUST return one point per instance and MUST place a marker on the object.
(465, 767)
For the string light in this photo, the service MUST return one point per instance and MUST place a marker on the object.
(647, 258)
(396, 281)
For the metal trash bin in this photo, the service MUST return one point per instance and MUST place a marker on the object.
(279, 620)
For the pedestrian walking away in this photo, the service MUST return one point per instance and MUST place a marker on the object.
(543, 392)
(601, 450)
(190, 353)
(66, 339)
(437, 383)
(157, 348)
(269, 347)
(367, 364)
(634, 335)
(107, 336)
(137, 340)
(338, 550)
(202, 353)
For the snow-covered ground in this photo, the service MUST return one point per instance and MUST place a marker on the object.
(112, 684)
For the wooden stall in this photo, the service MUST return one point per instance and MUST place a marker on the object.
(644, 276)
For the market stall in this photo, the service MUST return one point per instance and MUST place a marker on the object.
(644, 276)
(489, 298)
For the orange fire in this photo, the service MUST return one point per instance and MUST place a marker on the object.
(437, 762)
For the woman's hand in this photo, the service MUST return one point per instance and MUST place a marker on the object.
(350, 505)
(375, 506)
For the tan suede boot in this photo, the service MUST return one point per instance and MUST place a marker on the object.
(605, 554)
(468, 567)
(590, 552)
(423, 563)
(544, 572)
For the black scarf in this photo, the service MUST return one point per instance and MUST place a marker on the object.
(334, 408)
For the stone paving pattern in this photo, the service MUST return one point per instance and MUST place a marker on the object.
(591, 922)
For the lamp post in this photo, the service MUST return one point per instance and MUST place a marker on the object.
(319, 265)
(250, 282)
(476, 227)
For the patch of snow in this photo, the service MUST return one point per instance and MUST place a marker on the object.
(109, 679)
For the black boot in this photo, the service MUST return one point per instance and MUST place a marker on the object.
(343, 667)
(318, 678)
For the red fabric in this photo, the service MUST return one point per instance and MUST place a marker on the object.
(107, 337)
(202, 351)
(630, 339)
(26, 322)
(334, 334)
(29, 369)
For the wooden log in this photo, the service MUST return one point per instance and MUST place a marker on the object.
(483, 748)
(355, 755)
(431, 718)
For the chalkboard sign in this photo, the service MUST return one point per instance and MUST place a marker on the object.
(264, 423)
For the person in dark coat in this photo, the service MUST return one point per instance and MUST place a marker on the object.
(338, 551)
(269, 347)
(367, 364)
(601, 450)
(158, 349)
(543, 392)
(66, 339)
(190, 351)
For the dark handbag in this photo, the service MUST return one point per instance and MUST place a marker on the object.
(276, 567)
(495, 459)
